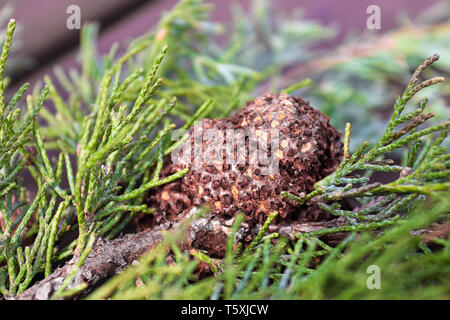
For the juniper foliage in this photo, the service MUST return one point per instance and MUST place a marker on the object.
(117, 161)
(425, 169)
(111, 127)
(383, 232)
(303, 269)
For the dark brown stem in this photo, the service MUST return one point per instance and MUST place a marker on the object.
(111, 257)
(106, 259)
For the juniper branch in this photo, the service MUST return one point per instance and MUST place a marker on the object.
(423, 178)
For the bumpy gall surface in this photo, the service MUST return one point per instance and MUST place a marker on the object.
(309, 148)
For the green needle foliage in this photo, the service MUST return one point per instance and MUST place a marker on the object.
(303, 269)
(16, 62)
(356, 81)
(110, 127)
(19, 263)
(308, 268)
(118, 159)
(353, 82)
(425, 170)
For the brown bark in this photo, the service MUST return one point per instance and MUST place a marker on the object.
(111, 257)
(106, 259)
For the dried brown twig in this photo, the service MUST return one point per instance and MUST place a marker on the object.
(109, 257)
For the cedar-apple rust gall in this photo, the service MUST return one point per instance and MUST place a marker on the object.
(230, 147)
(275, 143)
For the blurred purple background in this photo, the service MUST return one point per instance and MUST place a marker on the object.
(47, 40)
